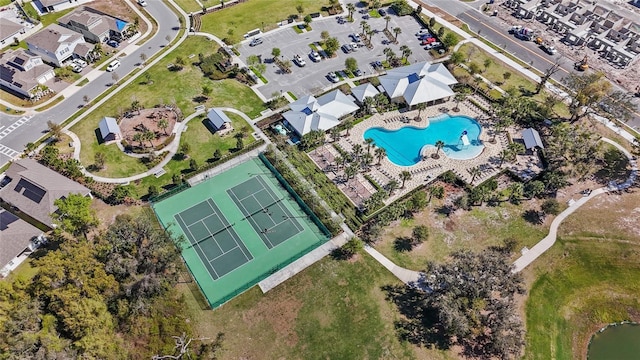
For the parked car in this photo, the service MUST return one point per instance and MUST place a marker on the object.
(376, 64)
(299, 60)
(355, 37)
(354, 46)
(113, 43)
(76, 68)
(314, 56)
(333, 77)
(382, 12)
(142, 3)
(358, 72)
(347, 48)
(80, 62)
(255, 42)
(422, 32)
(113, 65)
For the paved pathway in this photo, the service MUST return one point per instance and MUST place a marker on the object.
(405, 275)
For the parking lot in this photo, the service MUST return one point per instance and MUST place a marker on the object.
(312, 78)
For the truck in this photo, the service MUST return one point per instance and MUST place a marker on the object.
(524, 33)
(549, 48)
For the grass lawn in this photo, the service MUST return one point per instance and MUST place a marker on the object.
(5, 2)
(235, 21)
(332, 310)
(190, 6)
(46, 19)
(203, 144)
(474, 230)
(168, 87)
(589, 278)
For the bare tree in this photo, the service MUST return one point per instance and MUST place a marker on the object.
(547, 75)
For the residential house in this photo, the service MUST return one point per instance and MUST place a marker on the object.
(310, 114)
(48, 6)
(9, 30)
(55, 44)
(219, 121)
(33, 188)
(23, 72)
(418, 83)
(18, 239)
(109, 129)
(94, 25)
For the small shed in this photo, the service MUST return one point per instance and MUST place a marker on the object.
(109, 129)
(531, 139)
(219, 120)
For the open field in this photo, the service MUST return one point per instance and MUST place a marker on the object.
(237, 20)
(190, 6)
(589, 278)
(167, 87)
(332, 310)
(477, 229)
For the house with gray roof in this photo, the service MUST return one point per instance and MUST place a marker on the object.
(310, 114)
(109, 129)
(18, 239)
(94, 25)
(55, 44)
(33, 188)
(363, 91)
(48, 6)
(219, 120)
(22, 72)
(9, 30)
(418, 83)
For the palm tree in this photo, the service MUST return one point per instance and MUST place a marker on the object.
(456, 57)
(516, 148)
(163, 124)
(364, 25)
(135, 105)
(29, 147)
(380, 154)
(351, 171)
(368, 103)
(459, 97)
(368, 142)
(339, 161)
(138, 137)
(420, 107)
(357, 151)
(439, 145)
(406, 51)
(477, 80)
(515, 191)
(396, 31)
(392, 186)
(387, 19)
(367, 159)
(348, 125)
(149, 136)
(351, 7)
(335, 133)
(404, 176)
(504, 154)
(474, 172)
(437, 191)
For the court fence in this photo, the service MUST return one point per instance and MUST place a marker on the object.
(293, 193)
(184, 186)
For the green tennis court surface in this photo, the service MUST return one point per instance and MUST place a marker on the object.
(240, 227)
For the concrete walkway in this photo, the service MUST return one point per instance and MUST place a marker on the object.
(405, 275)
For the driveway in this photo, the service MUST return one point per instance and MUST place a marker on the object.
(312, 79)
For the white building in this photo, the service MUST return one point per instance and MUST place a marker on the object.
(310, 114)
(22, 71)
(418, 83)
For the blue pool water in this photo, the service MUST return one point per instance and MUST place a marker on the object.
(403, 145)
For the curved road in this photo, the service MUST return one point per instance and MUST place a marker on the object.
(31, 128)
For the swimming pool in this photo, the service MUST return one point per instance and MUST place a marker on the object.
(403, 145)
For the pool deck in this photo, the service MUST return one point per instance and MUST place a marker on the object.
(428, 169)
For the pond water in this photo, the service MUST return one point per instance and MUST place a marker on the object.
(621, 342)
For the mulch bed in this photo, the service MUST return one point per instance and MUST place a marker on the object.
(148, 119)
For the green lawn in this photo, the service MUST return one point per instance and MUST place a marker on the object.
(46, 19)
(474, 230)
(332, 310)
(5, 2)
(581, 285)
(190, 6)
(167, 87)
(235, 21)
(203, 144)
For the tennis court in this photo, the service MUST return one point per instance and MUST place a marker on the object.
(241, 226)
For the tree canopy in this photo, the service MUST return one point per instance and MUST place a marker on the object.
(467, 302)
(74, 214)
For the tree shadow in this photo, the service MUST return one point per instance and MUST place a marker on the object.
(532, 216)
(420, 325)
(341, 254)
(403, 244)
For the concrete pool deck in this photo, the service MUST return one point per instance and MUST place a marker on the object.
(429, 168)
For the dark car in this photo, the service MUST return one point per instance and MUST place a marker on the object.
(113, 43)
(382, 12)
(357, 72)
(347, 48)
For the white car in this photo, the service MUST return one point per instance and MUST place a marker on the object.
(76, 68)
(422, 32)
(142, 3)
(113, 65)
(299, 60)
(333, 77)
(80, 62)
(315, 56)
(354, 46)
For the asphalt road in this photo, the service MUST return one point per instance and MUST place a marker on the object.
(496, 31)
(16, 132)
(312, 78)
